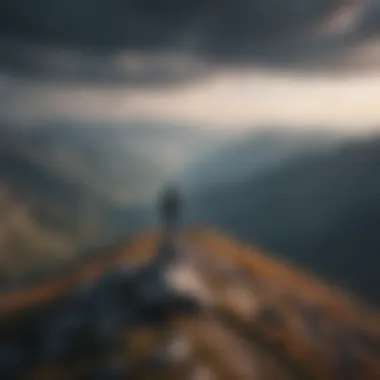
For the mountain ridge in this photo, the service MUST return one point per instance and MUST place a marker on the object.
(252, 297)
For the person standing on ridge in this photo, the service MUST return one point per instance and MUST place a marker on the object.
(169, 212)
(170, 208)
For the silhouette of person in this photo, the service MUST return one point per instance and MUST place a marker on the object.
(170, 207)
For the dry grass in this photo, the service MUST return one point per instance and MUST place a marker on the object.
(131, 253)
(281, 289)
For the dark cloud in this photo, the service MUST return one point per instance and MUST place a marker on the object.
(47, 63)
(148, 23)
(85, 35)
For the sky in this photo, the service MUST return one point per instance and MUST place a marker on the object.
(55, 81)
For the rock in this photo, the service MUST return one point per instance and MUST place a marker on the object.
(11, 359)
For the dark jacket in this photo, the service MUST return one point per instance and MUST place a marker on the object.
(170, 206)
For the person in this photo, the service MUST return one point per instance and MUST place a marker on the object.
(170, 207)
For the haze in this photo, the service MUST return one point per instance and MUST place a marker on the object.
(232, 100)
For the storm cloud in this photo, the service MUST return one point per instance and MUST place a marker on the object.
(89, 41)
(148, 23)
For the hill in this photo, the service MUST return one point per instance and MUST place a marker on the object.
(318, 208)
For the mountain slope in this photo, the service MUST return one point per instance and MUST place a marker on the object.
(203, 304)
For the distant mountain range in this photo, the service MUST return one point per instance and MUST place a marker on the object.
(253, 155)
(315, 202)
